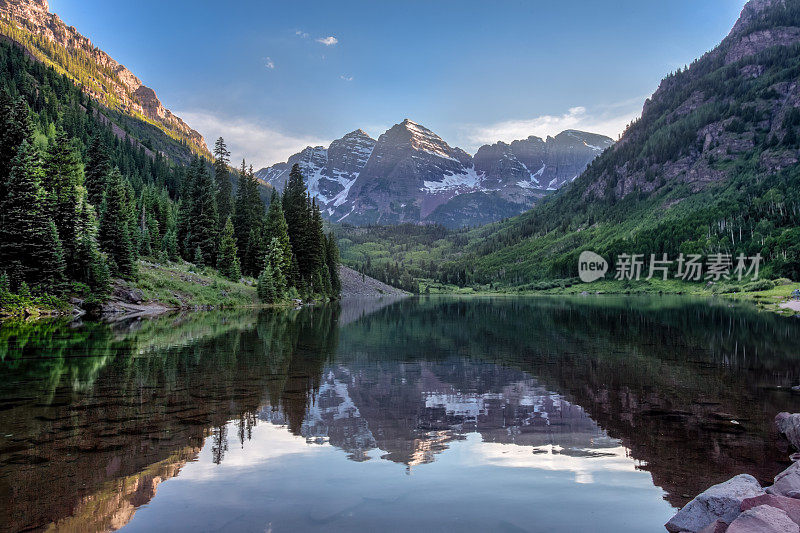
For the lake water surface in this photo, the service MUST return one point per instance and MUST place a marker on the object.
(433, 414)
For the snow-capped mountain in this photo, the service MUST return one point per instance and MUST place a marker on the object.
(410, 174)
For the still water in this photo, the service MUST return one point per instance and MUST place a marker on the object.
(434, 414)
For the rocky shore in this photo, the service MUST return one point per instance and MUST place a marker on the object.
(742, 505)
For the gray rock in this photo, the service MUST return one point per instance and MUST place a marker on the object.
(763, 519)
(786, 482)
(721, 501)
(789, 425)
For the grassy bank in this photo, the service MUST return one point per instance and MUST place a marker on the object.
(767, 295)
(169, 285)
(183, 285)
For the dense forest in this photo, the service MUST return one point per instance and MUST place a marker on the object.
(81, 204)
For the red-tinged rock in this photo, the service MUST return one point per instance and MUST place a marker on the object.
(717, 526)
(763, 519)
(790, 506)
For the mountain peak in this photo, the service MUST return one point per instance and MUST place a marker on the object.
(357, 133)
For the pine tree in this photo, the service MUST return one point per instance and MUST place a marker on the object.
(17, 127)
(62, 178)
(115, 235)
(266, 286)
(90, 265)
(297, 211)
(228, 260)
(97, 169)
(223, 179)
(28, 249)
(203, 221)
(241, 222)
(332, 262)
(275, 259)
(277, 228)
(256, 250)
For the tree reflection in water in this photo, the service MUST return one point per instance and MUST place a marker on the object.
(94, 417)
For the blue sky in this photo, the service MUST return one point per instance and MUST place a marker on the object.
(273, 77)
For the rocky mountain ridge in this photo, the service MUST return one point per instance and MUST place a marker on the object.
(47, 38)
(410, 174)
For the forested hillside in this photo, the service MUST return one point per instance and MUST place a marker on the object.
(710, 167)
(81, 204)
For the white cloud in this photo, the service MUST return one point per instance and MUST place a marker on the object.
(611, 122)
(328, 41)
(261, 145)
(346, 78)
(301, 34)
(269, 63)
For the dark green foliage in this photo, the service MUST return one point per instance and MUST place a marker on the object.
(332, 264)
(223, 180)
(266, 286)
(97, 169)
(249, 221)
(29, 250)
(228, 259)
(115, 232)
(62, 179)
(277, 228)
(202, 219)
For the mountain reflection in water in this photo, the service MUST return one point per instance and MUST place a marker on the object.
(597, 413)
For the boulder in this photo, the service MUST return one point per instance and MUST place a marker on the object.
(790, 506)
(763, 519)
(789, 425)
(129, 295)
(721, 502)
(787, 482)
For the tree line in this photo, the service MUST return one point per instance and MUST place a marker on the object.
(80, 204)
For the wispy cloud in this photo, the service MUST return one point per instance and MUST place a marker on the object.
(269, 63)
(301, 34)
(346, 78)
(261, 145)
(328, 41)
(611, 122)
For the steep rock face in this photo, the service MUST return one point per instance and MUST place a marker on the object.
(42, 33)
(410, 174)
(329, 172)
(704, 106)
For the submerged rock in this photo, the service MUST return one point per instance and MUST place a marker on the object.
(722, 501)
(763, 519)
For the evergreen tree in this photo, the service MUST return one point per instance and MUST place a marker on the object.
(277, 228)
(297, 211)
(16, 128)
(275, 259)
(223, 179)
(62, 178)
(90, 265)
(332, 262)
(29, 251)
(203, 222)
(256, 250)
(115, 235)
(266, 286)
(97, 170)
(228, 260)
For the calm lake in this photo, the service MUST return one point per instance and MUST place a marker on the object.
(433, 414)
